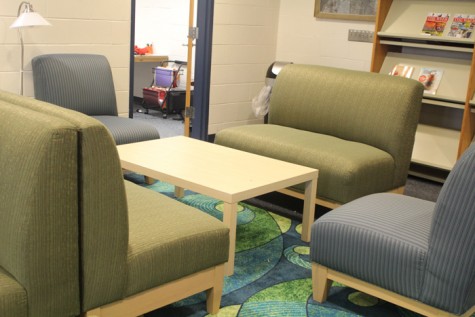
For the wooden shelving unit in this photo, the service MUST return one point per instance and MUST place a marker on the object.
(447, 123)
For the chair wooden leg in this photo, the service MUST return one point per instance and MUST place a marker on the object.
(92, 313)
(96, 313)
(320, 283)
(149, 180)
(213, 295)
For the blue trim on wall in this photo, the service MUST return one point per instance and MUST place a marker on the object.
(204, 44)
(131, 63)
(205, 13)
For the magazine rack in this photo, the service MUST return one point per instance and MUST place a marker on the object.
(447, 122)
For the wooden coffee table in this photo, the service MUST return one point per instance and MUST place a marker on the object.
(220, 172)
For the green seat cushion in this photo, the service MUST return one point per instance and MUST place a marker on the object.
(347, 170)
(169, 240)
(13, 298)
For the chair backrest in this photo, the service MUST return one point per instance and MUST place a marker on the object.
(81, 82)
(450, 275)
(374, 109)
(39, 208)
(103, 217)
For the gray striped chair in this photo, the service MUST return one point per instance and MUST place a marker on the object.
(83, 82)
(414, 253)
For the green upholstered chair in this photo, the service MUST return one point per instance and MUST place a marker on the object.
(39, 250)
(83, 82)
(414, 253)
(75, 238)
(357, 128)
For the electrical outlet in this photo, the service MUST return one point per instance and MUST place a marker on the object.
(360, 36)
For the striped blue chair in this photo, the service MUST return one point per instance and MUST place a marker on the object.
(414, 253)
(83, 82)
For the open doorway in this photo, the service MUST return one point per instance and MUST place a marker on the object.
(168, 37)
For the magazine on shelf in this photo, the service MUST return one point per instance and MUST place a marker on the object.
(435, 24)
(430, 78)
(402, 70)
(462, 26)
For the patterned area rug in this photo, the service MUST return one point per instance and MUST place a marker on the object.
(272, 271)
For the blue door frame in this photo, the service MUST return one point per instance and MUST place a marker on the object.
(204, 22)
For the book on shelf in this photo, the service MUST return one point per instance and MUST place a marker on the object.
(435, 24)
(430, 78)
(402, 70)
(462, 26)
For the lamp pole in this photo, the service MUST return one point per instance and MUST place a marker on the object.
(27, 18)
(22, 59)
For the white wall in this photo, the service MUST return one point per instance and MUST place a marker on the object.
(163, 23)
(89, 26)
(304, 39)
(244, 45)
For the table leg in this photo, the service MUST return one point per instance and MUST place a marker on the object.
(230, 220)
(179, 192)
(308, 208)
(149, 180)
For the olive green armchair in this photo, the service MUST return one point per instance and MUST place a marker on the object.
(357, 128)
(76, 239)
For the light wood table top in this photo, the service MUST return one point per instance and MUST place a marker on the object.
(220, 172)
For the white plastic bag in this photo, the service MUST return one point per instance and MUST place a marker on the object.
(260, 103)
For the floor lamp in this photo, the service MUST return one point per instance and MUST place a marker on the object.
(26, 18)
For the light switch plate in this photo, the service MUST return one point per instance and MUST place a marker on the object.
(360, 36)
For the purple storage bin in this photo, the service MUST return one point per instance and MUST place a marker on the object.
(164, 77)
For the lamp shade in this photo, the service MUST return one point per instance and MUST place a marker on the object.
(28, 18)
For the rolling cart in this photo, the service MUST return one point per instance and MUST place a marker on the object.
(163, 94)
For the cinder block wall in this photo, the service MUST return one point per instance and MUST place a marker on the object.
(100, 27)
(248, 37)
(244, 45)
(304, 39)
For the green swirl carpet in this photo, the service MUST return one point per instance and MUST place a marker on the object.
(272, 271)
